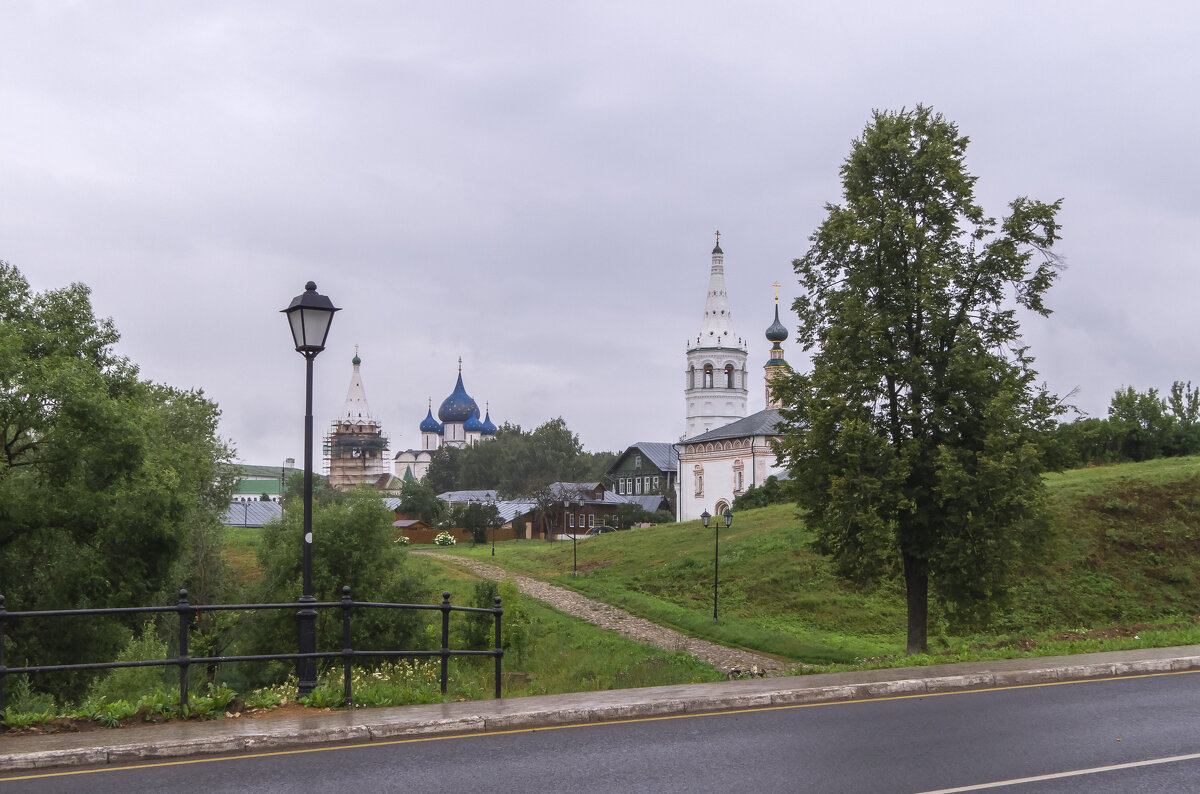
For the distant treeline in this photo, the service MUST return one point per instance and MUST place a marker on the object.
(1140, 426)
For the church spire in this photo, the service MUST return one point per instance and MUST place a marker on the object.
(716, 327)
(356, 408)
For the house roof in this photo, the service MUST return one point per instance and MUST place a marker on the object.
(763, 423)
(251, 514)
(468, 496)
(256, 487)
(250, 470)
(510, 510)
(648, 502)
(661, 454)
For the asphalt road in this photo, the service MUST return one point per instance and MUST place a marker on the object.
(917, 744)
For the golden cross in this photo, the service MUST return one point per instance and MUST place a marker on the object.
(718, 237)
(460, 363)
(776, 286)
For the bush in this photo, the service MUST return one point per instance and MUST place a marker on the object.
(444, 539)
(131, 683)
(354, 544)
(403, 540)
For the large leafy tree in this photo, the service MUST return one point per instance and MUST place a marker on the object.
(518, 461)
(106, 481)
(914, 442)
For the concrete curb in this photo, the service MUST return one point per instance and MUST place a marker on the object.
(219, 737)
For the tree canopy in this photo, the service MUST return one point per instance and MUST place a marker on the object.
(915, 441)
(517, 461)
(105, 479)
(1139, 426)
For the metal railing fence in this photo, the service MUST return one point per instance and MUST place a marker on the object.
(186, 611)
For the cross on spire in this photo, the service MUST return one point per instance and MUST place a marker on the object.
(718, 237)
(776, 286)
(460, 364)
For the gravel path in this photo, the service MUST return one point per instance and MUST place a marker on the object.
(734, 662)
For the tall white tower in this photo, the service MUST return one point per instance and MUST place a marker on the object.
(715, 379)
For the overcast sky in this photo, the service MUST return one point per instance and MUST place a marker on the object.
(534, 186)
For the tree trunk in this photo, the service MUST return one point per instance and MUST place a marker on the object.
(916, 590)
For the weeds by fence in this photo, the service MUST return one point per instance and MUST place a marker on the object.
(187, 611)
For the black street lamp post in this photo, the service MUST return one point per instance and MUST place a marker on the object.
(704, 519)
(310, 315)
(575, 543)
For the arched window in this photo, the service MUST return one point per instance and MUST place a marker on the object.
(698, 473)
(708, 376)
(692, 377)
(728, 376)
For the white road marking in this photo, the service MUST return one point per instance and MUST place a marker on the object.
(1076, 773)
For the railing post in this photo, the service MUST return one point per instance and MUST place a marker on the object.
(347, 651)
(445, 638)
(499, 650)
(3, 669)
(183, 609)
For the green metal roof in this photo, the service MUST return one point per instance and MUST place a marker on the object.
(256, 487)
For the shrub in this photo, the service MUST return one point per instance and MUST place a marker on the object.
(403, 540)
(131, 683)
(354, 544)
(444, 539)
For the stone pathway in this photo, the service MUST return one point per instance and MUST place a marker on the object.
(735, 662)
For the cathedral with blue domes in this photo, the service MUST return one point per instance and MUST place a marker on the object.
(355, 446)
(458, 424)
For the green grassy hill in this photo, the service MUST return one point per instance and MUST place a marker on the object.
(1121, 559)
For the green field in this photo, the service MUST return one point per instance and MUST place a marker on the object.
(1121, 570)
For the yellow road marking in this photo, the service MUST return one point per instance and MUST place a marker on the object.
(631, 720)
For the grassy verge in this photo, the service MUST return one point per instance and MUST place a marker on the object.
(559, 654)
(563, 654)
(1122, 569)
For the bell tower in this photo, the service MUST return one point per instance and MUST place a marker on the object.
(776, 366)
(715, 391)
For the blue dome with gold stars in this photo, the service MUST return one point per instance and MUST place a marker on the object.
(458, 407)
(489, 427)
(473, 424)
(431, 425)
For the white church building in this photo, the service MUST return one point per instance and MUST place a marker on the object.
(724, 451)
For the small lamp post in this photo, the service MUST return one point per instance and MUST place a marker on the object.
(310, 314)
(575, 544)
(704, 519)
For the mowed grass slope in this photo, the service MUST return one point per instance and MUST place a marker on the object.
(1123, 555)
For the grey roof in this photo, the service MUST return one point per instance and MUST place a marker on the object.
(763, 423)
(392, 502)
(251, 514)
(661, 453)
(570, 490)
(648, 502)
(510, 510)
(468, 496)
